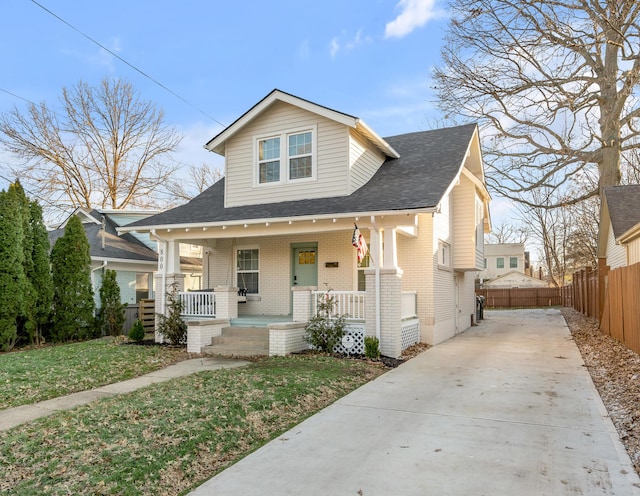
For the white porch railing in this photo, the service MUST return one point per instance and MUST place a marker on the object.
(351, 303)
(198, 304)
(408, 305)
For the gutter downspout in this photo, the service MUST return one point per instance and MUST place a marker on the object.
(377, 276)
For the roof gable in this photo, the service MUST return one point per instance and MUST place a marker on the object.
(217, 143)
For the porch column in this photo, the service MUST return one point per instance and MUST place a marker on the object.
(168, 274)
(226, 300)
(302, 303)
(390, 309)
(390, 259)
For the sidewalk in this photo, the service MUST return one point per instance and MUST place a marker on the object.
(506, 408)
(12, 417)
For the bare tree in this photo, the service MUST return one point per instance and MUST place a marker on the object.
(198, 179)
(105, 147)
(507, 233)
(555, 83)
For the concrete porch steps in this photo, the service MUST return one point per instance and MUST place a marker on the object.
(239, 341)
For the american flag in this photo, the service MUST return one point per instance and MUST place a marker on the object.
(359, 243)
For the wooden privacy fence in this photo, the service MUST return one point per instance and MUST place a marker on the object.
(621, 310)
(521, 297)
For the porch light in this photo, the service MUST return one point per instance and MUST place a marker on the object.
(334, 220)
(224, 227)
(266, 224)
(186, 229)
(204, 228)
(314, 221)
(290, 222)
(246, 225)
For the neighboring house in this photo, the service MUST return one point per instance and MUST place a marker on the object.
(298, 176)
(619, 240)
(133, 256)
(501, 259)
(515, 279)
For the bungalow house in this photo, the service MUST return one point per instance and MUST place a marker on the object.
(503, 258)
(619, 241)
(299, 177)
(132, 256)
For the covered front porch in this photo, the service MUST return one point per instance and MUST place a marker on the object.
(273, 273)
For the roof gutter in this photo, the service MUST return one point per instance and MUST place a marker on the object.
(272, 220)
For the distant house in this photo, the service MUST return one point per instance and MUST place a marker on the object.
(619, 240)
(503, 258)
(298, 178)
(133, 256)
(515, 279)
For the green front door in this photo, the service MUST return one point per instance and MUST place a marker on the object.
(305, 266)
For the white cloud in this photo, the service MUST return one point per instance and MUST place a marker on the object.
(351, 44)
(304, 49)
(334, 47)
(413, 14)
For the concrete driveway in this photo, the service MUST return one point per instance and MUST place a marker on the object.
(506, 408)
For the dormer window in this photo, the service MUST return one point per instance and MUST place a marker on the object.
(269, 160)
(296, 150)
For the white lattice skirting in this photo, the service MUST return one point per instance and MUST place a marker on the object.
(356, 331)
(410, 332)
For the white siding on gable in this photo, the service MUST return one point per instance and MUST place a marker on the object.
(331, 158)
(464, 226)
(616, 256)
(363, 161)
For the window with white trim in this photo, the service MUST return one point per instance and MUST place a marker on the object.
(513, 262)
(248, 270)
(500, 263)
(288, 157)
(444, 254)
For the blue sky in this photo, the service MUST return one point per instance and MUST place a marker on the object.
(368, 58)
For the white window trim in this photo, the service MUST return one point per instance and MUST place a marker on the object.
(235, 264)
(444, 264)
(284, 157)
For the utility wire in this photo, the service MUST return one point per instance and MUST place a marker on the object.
(155, 81)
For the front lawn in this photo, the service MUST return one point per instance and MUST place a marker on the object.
(170, 437)
(40, 374)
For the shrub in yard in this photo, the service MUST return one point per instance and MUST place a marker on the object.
(12, 276)
(371, 347)
(111, 308)
(40, 276)
(137, 331)
(171, 326)
(73, 303)
(325, 329)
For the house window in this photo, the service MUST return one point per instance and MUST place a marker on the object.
(300, 155)
(485, 263)
(142, 285)
(362, 280)
(513, 262)
(269, 160)
(444, 254)
(294, 150)
(248, 265)
(500, 262)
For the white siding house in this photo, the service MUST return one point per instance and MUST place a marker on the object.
(298, 178)
(619, 242)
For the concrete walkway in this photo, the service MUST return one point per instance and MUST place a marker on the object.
(507, 408)
(13, 417)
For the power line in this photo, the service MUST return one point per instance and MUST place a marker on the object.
(155, 81)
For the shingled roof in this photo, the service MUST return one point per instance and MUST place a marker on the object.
(123, 247)
(624, 207)
(429, 162)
